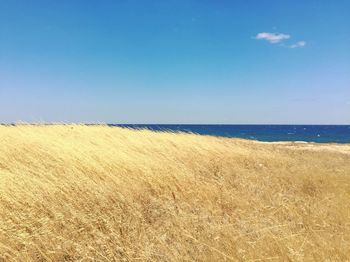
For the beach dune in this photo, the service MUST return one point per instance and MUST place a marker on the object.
(75, 192)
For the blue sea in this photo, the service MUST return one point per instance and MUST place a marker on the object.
(307, 133)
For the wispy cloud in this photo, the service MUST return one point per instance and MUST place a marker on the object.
(273, 38)
(297, 44)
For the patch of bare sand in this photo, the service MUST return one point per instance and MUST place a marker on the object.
(300, 145)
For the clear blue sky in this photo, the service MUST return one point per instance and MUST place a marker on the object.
(180, 61)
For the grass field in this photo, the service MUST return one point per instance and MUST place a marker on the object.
(73, 192)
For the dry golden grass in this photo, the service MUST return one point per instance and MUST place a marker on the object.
(71, 192)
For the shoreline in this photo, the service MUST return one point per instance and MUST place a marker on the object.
(148, 127)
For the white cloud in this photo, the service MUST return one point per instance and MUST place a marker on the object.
(273, 38)
(298, 44)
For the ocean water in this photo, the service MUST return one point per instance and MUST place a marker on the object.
(307, 133)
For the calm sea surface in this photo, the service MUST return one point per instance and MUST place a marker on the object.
(309, 133)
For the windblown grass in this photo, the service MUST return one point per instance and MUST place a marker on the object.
(71, 192)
